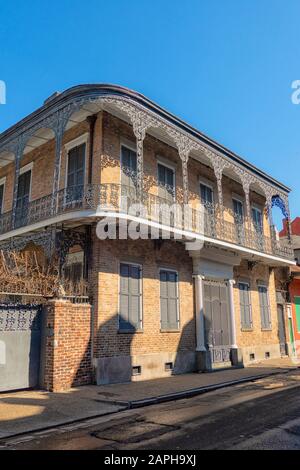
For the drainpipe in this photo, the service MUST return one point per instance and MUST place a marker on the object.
(88, 261)
(92, 121)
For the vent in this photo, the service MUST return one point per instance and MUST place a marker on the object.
(267, 355)
(168, 366)
(252, 356)
(136, 370)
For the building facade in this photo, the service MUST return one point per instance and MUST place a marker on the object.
(192, 288)
(294, 286)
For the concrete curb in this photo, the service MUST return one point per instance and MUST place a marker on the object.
(198, 391)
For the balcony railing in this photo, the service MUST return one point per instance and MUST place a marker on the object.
(207, 221)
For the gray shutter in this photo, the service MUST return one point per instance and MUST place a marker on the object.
(164, 299)
(172, 301)
(168, 300)
(134, 298)
(130, 297)
(245, 305)
(264, 307)
(124, 296)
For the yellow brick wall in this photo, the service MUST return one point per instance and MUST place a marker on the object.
(105, 280)
(257, 336)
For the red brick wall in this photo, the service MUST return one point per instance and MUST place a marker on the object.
(68, 346)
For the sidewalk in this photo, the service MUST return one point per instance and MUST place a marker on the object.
(27, 411)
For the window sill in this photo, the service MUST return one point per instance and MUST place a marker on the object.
(128, 332)
(266, 329)
(247, 329)
(167, 330)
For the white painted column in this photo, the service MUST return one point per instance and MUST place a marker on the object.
(233, 345)
(200, 334)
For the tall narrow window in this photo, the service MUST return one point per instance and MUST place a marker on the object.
(207, 199)
(206, 195)
(169, 300)
(75, 176)
(245, 305)
(23, 194)
(258, 228)
(265, 313)
(166, 183)
(238, 212)
(257, 219)
(128, 167)
(130, 315)
(1, 197)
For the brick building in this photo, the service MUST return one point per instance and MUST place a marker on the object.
(200, 294)
(294, 285)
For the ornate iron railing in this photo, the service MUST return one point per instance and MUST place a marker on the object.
(204, 220)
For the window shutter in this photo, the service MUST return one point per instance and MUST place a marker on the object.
(169, 300)
(264, 307)
(245, 305)
(129, 164)
(124, 296)
(130, 297)
(76, 166)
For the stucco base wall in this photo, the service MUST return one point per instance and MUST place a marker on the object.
(118, 369)
(259, 352)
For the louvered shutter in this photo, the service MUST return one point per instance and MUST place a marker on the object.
(169, 299)
(130, 297)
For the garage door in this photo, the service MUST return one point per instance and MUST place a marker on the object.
(20, 340)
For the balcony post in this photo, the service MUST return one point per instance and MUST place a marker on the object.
(233, 345)
(60, 120)
(139, 130)
(185, 179)
(200, 335)
(218, 166)
(19, 149)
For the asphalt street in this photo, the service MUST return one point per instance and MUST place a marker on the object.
(263, 414)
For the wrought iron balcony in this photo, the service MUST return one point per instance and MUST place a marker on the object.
(207, 221)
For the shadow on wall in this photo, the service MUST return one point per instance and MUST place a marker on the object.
(125, 365)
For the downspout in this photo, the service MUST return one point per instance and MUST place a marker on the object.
(92, 121)
(88, 259)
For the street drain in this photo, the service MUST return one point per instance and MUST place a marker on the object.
(134, 431)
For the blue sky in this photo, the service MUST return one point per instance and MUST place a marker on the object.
(226, 67)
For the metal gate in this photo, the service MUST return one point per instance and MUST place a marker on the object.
(20, 341)
(216, 320)
(281, 330)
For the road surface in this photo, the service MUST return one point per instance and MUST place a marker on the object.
(264, 414)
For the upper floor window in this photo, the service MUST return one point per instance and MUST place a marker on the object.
(238, 210)
(257, 219)
(2, 186)
(128, 167)
(166, 182)
(206, 195)
(245, 305)
(23, 196)
(264, 307)
(75, 173)
(238, 214)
